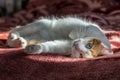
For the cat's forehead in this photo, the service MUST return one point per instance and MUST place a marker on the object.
(94, 41)
(87, 39)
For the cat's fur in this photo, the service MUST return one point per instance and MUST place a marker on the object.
(58, 36)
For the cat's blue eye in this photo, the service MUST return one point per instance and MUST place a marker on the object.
(89, 45)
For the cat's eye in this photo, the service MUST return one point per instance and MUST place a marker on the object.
(89, 45)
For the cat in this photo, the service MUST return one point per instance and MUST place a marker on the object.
(72, 36)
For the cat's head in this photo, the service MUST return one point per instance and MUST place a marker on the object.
(89, 47)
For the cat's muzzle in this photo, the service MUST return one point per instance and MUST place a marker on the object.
(77, 48)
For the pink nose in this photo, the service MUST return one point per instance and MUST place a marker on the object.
(76, 45)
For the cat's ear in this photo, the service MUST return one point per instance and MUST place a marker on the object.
(96, 32)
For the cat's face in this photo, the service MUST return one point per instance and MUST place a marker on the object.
(87, 47)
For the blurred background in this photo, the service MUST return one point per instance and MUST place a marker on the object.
(20, 12)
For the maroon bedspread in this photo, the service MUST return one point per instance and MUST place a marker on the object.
(16, 65)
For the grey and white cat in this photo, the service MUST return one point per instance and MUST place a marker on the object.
(65, 36)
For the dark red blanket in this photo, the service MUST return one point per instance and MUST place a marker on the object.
(16, 65)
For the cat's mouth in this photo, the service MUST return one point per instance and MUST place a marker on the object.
(81, 56)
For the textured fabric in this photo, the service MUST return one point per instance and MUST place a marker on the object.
(16, 65)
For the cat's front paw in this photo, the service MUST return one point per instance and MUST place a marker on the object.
(33, 49)
(21, 42)
(15, 41)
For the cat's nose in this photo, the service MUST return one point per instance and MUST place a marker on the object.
(75, 44)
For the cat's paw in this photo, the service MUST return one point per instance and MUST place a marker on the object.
(21, 42)
(15, 41)
(33, 49)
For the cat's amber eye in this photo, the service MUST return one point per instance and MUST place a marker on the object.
(89, 45)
